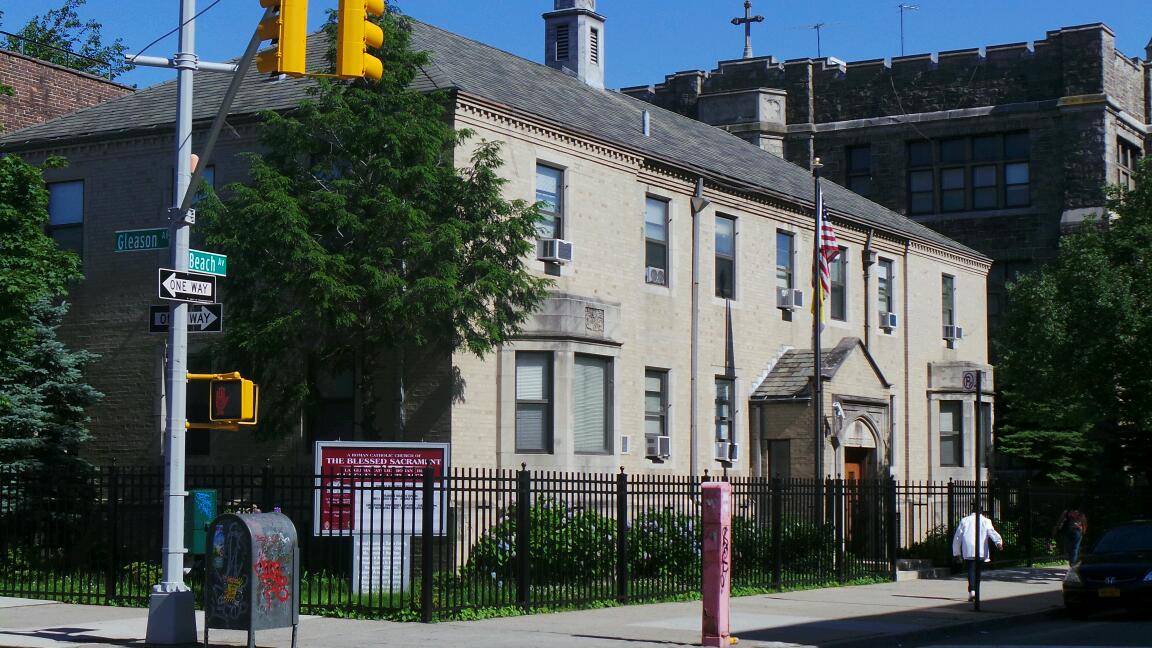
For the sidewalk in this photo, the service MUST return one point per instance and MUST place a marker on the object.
(846, 617)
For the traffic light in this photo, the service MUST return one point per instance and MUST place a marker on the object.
(354, 35)
(221, 401)
(287, 28)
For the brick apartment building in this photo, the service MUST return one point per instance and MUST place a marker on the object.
(610, 363)
(1000, 147)
(44, 91)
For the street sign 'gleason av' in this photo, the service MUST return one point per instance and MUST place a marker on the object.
(142, 239)
(187, 286)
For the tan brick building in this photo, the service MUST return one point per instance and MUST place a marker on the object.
(610, 366)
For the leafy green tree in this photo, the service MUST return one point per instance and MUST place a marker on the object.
(60, 36)
(32, 267)
(44, 421)
(1076, 352)
(42, 396)
(358, 239)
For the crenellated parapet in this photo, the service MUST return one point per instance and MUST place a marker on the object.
(1071, 61)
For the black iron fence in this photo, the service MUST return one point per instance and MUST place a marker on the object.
(498, 538)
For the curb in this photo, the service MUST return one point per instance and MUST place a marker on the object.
(930, 634)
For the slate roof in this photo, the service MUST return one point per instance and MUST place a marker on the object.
(488, 73)
(791, 376)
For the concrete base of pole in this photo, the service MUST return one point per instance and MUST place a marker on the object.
(171, 618)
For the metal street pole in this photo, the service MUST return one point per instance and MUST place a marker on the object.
(979, 504)
(171, 607)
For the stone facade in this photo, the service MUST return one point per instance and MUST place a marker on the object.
(605, 311)
(1079, 101)
(44, 91)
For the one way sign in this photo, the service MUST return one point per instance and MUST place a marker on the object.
(187, 286)
(202, 318)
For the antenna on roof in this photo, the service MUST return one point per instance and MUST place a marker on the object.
(817, 27)
(904, 7)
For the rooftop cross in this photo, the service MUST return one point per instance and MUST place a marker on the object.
(747, 21)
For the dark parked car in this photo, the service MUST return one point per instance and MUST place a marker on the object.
(1118, 570)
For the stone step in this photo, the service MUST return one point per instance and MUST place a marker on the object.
(912, 564)
(928, 573)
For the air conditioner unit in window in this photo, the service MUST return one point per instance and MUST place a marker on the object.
(728, 452)
(888, 321)
(953, 333)
(657, 446)
(655, 276)
(789, 298)
(554, 250)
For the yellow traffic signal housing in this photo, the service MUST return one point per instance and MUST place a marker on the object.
(287, 28)
(355, 33)
(232, 400)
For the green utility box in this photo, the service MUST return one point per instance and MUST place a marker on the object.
(199, 511)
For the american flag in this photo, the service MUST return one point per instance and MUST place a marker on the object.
(829, 250)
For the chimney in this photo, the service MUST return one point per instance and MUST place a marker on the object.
(574, 40)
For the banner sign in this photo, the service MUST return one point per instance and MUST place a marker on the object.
(374, 488)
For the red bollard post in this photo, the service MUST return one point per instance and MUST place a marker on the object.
(717, 562)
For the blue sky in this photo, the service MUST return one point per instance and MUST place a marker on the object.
(647, 39)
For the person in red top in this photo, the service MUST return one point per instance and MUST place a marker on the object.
(1070, 529)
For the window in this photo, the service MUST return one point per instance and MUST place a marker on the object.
(948, 307)
(549, 192)
(725, 389)
(334, 415)
(952, 189)
(66, 215)
(984, 187)
(838, 287)
(885, 295)
(533, 401)
(921, 197)
(595, 46)
(563, 37)
(209, 178)
(785, 260)
(725, 257)
(951, 436)
(656, 240)
(780, 459)
(655, 402)
(948, 300)
(1127, 155)
(859, 169)
(981, 172)
(592, 404)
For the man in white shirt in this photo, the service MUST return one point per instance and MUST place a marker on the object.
(964, 545)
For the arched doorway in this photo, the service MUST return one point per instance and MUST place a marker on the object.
(859, 450)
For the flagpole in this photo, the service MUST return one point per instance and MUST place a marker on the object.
(817, 320)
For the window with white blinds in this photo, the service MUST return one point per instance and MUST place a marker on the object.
(592, 404)
(533, 401)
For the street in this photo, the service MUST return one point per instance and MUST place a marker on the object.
(1103, 630)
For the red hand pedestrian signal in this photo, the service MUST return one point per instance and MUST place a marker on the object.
(220, 401)
(232, 398)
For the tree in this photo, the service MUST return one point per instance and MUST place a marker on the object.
(357, 239)
(1076, 355)
(59, 36)
(32, 267)
(45, 420)
(42, 397)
